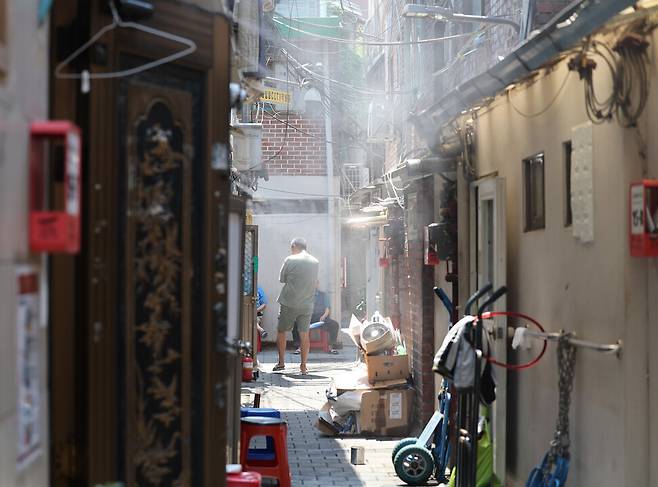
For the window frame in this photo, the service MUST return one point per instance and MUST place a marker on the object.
(567, 153)
(532, 220)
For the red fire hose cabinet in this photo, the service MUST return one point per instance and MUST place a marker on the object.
(54, 230)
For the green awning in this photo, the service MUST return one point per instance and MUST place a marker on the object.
(323, 26)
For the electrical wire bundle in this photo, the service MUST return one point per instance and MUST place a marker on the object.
(627, 63)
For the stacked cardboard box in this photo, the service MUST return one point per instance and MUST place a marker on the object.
(374, 399)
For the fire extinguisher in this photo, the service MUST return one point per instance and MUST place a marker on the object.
(247, 369)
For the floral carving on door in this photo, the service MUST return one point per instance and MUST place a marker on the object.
(158, 287)
(157, 221)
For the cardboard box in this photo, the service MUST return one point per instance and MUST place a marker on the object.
(357, 379)
(386, 412)
(387, 367)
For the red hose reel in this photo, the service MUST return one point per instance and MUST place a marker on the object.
(515, 314)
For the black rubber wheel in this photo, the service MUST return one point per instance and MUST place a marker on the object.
(400, 445)
(414, 464)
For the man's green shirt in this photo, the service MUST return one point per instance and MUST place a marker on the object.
(299, 275)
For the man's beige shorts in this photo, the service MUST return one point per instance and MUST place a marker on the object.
(288, 317)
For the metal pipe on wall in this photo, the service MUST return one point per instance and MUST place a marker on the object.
(333, 235)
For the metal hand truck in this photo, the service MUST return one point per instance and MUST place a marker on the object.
(468, 409)
(417, 459)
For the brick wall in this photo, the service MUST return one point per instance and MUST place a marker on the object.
(418, 311)
(304, 150)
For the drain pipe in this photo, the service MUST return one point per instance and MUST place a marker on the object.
(442, 13)
(332, 229)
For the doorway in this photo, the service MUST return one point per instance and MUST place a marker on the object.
(488, 257)
(137, 332)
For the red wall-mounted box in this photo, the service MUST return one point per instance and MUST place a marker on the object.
(55, 230)
(643, 218)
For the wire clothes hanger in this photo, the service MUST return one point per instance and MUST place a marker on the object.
(117, 22)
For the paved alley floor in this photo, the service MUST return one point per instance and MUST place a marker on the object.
(317, 460)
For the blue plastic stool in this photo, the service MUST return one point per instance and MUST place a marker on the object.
(266, 454)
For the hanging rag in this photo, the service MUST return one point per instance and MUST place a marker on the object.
(519, 339)
(446, 357)
(456, 360)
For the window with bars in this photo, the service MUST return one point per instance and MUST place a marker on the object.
(534, 207)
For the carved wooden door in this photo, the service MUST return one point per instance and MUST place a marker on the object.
(160, 136)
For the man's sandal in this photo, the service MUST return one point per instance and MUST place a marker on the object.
(278, 367)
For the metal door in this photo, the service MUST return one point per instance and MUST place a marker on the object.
(489, 265)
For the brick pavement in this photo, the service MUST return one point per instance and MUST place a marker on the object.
(317, 460)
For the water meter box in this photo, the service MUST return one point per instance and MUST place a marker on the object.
(54, 230)
(643, 218)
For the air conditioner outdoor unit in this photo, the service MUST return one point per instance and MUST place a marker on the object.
(379, 125)
(246, 148)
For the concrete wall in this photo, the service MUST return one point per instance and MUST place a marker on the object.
(595, 289)
(23, 98)
(276, 230)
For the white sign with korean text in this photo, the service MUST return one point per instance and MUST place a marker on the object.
(637, 210)
(395, 405)
(27, 367)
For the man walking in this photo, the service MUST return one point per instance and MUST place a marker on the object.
(299, 274)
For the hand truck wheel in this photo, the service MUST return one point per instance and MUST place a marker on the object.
(414, 464)
(400, 445)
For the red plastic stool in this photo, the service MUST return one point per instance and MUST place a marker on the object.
(274, 428)
(235, 477)
(319, 340)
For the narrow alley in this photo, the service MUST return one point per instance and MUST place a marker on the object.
(317, 460)
(443, 214)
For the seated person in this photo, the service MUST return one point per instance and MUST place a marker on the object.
(261, 304)
(321, 312)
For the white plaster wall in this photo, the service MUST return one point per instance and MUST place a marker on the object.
(23, 98)
(594, 289)
(275, 231)
(646, 271)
